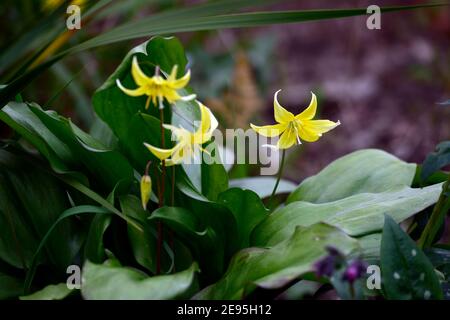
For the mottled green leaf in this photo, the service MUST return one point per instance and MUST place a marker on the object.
(406, 271)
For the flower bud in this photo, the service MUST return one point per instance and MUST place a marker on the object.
(146, 190)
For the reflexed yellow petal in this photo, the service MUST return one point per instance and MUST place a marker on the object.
(161, 154)
(146, 190)
(320, 126)
(207, 125)
(270, 131)
(280, 113)
(179, 133)
(131, 92)
(309, 112)
(306, 134)
(173, 73)
(138, 75)
(182, 82)
(180, 154)
(287, 139)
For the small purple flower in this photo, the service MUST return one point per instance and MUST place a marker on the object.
(354, 271)
(327, 265)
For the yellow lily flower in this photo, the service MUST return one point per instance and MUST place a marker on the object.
(188, 143)
(157, 88)
(292, 128)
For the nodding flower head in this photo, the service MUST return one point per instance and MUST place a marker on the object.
(157, 88)
(294, 128)
(188, 143)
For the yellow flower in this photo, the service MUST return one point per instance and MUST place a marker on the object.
(188, 143)
(293, 128)
(146, 190)
(157, 88)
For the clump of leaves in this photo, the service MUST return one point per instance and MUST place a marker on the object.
(74, 199)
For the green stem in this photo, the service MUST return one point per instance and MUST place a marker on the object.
(437, 217)
(280, 172)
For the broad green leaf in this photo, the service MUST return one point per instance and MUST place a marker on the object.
(248, 210)
(116, 108)
(144, 243)
(357, 215)
(94, 249)
(17, 240)
(50, 292)
(107, 166)
(26, 219)
(370, 247)
(11, 287)
(83, 209)
(206, 243)
(65, 145)
(143, 128)
(406, 271)
(19, 117)
(362, 171)
(278, 266)
(214, 179)
(436, 160)
(263, 186)
(110, 281)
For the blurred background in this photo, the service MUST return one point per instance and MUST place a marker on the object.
(384, 85)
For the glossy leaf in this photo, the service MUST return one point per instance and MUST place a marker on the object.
(206, 243)
(26, 220)
(116, 108)
(278, 266)
(214, 179)
(50, 292)
(94, 249)
(65, 145)
(248, 210)
(363, 171)
(143, 243)
(357, 215)
(111, 281)
(263, 186)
